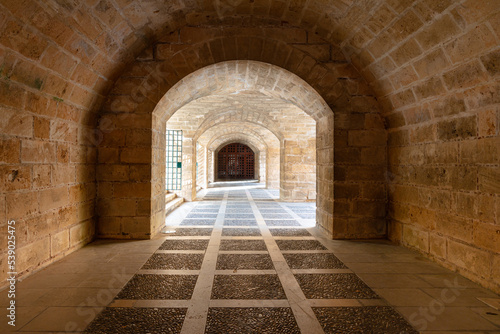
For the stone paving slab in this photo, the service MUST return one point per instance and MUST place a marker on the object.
(271, 210)
(202, 215)
(281, 222)
(174, 261)
(313, 261)
(247, 287)
(240, 222)
(300, 245)
(197, 222)
(241, 232)
(244, 261)
(334, 286)
(289, 232)
(251, 320)
(146, 286)
(240, 215)
(243, 210)
(276, 216)
(371, 319)
(116, 320)
(242, 245)
(186, 231)
(205, 210)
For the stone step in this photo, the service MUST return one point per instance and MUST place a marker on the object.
(170, 197)
(173, 204)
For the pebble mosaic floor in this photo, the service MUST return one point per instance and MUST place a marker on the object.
(241, 262)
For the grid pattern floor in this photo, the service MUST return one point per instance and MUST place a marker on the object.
(239, 261)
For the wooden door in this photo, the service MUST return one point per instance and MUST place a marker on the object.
(236, 162)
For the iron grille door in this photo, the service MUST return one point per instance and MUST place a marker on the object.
(174, 160)
(236, 161)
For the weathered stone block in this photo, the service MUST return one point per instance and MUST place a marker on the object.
(416, 238)
(470, 258)
(489, 180)
(112, 173)
(20, 205)
(491, 62)
(53, 198)
(15, 177)
(440, 30)
(59, 242)
(38, 152)
(437, 245)
(432, 63)
(465, 75)
(460, 128)
(454, 226)
(472, 43)
(81, 233)
(33, 255)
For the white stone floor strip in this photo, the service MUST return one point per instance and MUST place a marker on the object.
(160, 251)
(150, 303)
(249, 303)
(243, 252)
(304, 315)
(321, 271)
(168, 272)
(245, 272)
(196, 316)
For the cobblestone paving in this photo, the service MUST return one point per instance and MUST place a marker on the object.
(255, 268)
(118, 320)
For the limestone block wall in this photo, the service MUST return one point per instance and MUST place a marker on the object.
(273, 170)
(433, 66)
(298, 168)
(200, 160)
(48, 98)
(197, 46)
(210, 164)
(438, 80)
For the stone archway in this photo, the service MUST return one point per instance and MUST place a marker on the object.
(235, 161)
(357, 216)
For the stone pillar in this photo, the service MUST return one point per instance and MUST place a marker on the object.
(210, 166)
(298, 170)
(188, 191)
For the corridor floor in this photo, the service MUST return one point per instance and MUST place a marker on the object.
(241, 262)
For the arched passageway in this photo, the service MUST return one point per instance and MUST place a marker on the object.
(412, 84)
(235, 161)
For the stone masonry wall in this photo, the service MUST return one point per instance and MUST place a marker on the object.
(438, 82)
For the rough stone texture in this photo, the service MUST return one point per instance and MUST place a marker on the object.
(300, 245)
(244, 261)
(247, 287)
(138, 320)
(226, 232)
(240, 222)
(257, 245)
(184, 245)
(289, 232)
(251, 320)
(186, 231)
(280, 222)
(313, 261)
(333, 286)
(197, 222)
(371, 319)
(174, 261)
(159, 287)
(420, 76)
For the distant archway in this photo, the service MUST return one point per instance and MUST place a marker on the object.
(235, 161)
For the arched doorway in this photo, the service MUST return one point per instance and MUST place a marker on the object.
(236, 161)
